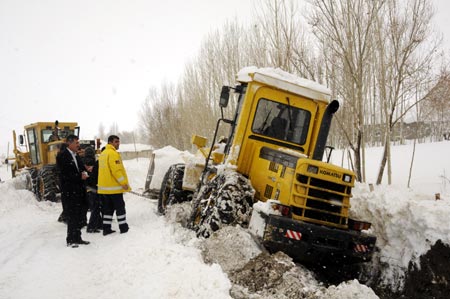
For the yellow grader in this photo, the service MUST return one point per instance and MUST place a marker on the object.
(42, 142)
(275, 155)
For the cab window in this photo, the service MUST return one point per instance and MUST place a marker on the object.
(281, 121)
(34, 147)
(46, 135)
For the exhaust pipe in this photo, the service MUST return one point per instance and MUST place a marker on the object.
(324, 130)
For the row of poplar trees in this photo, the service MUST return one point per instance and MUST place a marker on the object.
(380, 59)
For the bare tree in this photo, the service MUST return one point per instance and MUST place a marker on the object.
(279, 25)
(160, 118)
(437, 108)
(220, 58)
(126, 137)
(345, 31)
(101, 131)
(401, 35)
(113, 129)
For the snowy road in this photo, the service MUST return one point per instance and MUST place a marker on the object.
(35, 262)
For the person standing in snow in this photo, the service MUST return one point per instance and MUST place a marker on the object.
(73, 190)
(63, 216)
(112, 183)
(95, 219)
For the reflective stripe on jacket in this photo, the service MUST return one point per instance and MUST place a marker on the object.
(111, 173)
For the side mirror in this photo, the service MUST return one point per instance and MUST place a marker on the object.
(224, 96)
(21, 141)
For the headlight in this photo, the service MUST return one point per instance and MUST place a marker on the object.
(347, 178)
(313, 169)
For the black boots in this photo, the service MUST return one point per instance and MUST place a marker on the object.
(77, 243)
(107, 232)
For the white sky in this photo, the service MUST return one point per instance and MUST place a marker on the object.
(94, 61)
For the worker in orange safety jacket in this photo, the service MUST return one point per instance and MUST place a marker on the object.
(112, 183)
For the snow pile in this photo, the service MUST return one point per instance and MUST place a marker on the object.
(273, 276)
(349, 290)
(164, 158)
(13, 196)
(285, 81)
(179, 213)
(406, 224)
(257, 222)
(234, 239)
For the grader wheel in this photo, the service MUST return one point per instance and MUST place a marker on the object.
(34, 180)
(225, 200)
(47, 183)
(171, 188)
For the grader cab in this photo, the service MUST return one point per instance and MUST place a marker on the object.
(36, 157)
(274, 154)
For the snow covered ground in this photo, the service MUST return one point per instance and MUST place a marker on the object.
(158, 258)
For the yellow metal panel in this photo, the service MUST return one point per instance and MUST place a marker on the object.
(199, 141)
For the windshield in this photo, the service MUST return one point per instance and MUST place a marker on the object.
(281, 121)
(49, 135)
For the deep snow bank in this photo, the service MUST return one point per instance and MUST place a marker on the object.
(406, 224)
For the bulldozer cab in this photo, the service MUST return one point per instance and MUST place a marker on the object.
(44, 139)
(276, 112)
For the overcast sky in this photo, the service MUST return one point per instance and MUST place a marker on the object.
(94, 61)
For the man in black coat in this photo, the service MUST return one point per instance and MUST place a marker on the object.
(63, 216)
(72, 177)
(95, 205)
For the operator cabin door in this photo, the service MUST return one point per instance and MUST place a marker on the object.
(34, 146)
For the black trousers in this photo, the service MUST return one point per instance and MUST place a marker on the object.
(74, 213)
(63, 217)
(111, 203)
(95, 205)
(84, 210)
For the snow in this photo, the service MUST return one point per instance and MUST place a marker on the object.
(257, 223)
(431, 167)
(407, 225)
(163, 159)
(150, 261)
(158, 258)
(406, 221)
(285, 81)
(132, 147)
(350, 289)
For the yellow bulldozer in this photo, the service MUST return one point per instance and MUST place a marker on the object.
(276, 156)
(36, 157)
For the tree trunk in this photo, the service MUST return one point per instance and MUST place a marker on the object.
(357, 154)
(412, 162)
(383, 164)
